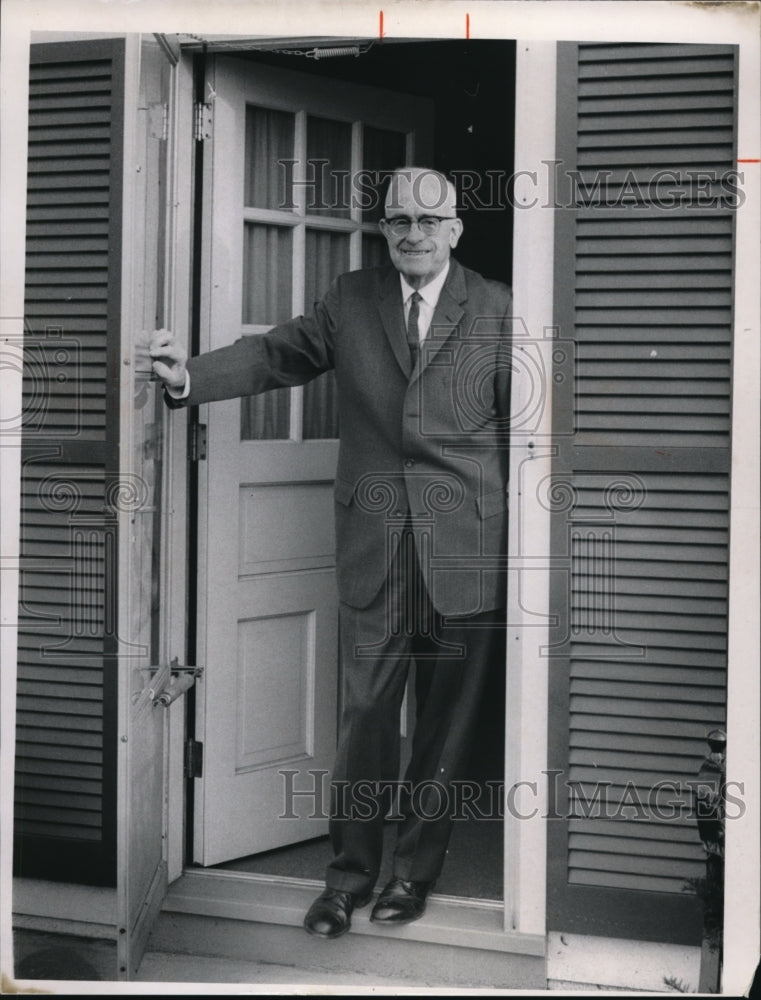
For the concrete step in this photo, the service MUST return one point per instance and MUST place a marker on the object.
(255, 922)
(160, 967)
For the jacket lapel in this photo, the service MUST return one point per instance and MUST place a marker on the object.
(446, 316)
(391, 312)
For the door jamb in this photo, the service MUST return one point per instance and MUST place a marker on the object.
(177, 495)
(526, 707)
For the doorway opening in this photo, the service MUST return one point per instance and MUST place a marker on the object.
(471, 87)
(474, 865)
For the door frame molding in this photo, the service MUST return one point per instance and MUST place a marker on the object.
(176, 499)
(742, 925)
(526, 705)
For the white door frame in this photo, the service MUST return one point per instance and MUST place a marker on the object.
(526, 705)
(176, 505)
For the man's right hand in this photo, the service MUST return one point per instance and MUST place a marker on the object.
(169, 359)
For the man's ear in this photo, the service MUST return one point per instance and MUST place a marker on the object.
(455, 232)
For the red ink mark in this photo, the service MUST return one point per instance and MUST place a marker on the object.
(380, 26)
(749, 161)
(467, 25)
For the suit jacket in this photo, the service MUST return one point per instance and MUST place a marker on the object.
(428, 446)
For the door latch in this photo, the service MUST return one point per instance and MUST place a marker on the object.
(169, 681)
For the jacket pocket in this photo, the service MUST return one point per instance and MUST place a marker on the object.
(490, 504)
(343, 492)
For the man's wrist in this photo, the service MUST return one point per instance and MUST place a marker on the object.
(180, 392)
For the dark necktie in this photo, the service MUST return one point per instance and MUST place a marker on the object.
(413, 333)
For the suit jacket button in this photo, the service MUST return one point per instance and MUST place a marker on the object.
(409, 462)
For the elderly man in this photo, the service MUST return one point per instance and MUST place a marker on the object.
(421, 356)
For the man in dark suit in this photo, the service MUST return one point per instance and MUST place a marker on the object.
(421, 355)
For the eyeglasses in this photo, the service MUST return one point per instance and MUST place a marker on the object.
(400, 225)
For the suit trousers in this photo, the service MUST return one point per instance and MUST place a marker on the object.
(452, 661)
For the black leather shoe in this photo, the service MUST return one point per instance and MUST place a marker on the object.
(401, 902)
(329, 916)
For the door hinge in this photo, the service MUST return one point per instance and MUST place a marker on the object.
(197, 451)
(203, 121)
(193, 759)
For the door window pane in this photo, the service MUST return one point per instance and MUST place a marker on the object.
(266, 417)
(267, 273)
(327, 256)
(328, 167)
(382, 152)
(267, 299)
(269, 142)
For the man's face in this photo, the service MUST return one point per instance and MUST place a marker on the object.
(414, 196)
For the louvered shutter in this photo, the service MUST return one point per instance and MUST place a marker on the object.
(65, 753)
(640, 486)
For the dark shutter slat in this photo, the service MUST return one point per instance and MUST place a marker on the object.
(610, 727)
(653, 122)
(670, 868)
(75, 697)
(85, 722)
(59, 738)
(88, 838)
(639, 882)
(667, 745)
(49, 771)
(593, 279)
(56, 814)
(64, 785)
(598, 136)
(659, 102)
(601, 758)
(93, 97)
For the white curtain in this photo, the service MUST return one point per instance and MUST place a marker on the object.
(267, 298)
(269, 140)
(331, 193)
(327, 256)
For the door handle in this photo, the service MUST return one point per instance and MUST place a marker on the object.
(177, 686)
(169, 681)
(180, 680)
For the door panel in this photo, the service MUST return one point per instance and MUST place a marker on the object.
(283, 222)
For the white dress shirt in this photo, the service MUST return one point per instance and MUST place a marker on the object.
(429, 296)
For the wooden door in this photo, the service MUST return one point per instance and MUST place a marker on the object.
(288, 209)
